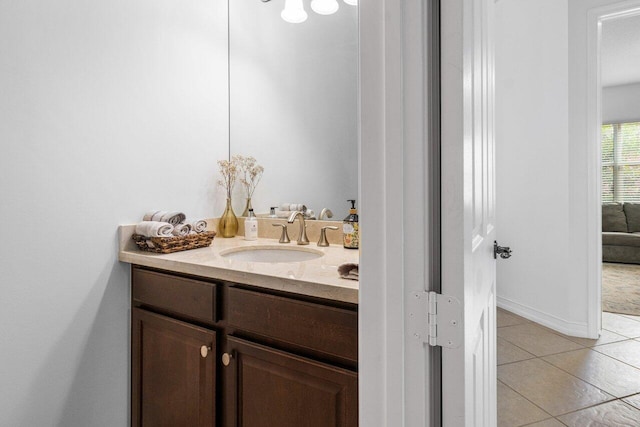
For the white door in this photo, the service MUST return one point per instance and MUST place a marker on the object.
(468, 209)
(397, 372)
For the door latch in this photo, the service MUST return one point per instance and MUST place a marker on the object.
(503, 251)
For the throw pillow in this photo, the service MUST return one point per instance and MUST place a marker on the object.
(632, 211)
(613, 219)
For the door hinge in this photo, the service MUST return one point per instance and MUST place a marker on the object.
(443, 326)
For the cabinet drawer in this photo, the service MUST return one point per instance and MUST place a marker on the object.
(187, 297)
(329, 330)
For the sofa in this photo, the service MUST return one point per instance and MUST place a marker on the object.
(621, 232)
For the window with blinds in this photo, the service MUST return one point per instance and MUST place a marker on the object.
(621, 162)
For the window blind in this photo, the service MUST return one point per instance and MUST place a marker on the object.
(621, 162)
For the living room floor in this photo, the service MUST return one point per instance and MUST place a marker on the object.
(546, 379)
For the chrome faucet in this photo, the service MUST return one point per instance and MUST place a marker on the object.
(302, 237)
(324, 212)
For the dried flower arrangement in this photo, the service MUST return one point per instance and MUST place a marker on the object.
(251, 173)
(229, 172)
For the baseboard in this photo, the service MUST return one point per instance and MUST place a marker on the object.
(573, 329)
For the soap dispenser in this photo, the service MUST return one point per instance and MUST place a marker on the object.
(350, 235)
(251, 226)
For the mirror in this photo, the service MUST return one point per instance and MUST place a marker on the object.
(293, 104)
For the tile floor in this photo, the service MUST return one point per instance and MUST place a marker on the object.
(546, 379)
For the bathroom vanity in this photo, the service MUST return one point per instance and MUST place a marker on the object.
(222, 342)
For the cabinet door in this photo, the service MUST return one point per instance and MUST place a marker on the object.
(173, 372)
(267, 387)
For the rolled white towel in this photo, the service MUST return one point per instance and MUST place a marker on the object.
(154, 229)
(149, 215)
(181, 230)
(173, 218)
(308, 214)
(293, 207)
(197, 225)
(157, 216)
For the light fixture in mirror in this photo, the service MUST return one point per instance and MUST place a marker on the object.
(325, 7)
(294, 12)
(294, 105)
(351, 2)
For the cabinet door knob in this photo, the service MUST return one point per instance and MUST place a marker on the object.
(226, 358)
(204, 350)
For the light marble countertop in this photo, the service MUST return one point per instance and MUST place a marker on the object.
(317, 277)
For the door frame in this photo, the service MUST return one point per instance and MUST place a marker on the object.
(397, 194)
(595, 18)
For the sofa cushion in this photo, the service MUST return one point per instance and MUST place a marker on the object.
(623, 254)
(621, 239)
(632, 212)
(613, 218)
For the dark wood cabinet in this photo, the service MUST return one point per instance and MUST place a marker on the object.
(213, 353)
(173, 372)
(267, 387)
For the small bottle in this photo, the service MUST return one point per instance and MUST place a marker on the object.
(350, 235)
(251, 227)
(272, 214)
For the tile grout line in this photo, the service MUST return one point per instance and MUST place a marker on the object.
(597, 404)
(615, 358)
(525, 398)
(582, 347)
(586, 381)
(535, 356)
(546, 419)
(577, 410)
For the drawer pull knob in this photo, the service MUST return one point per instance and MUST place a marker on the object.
(226, 358)
(204, 350)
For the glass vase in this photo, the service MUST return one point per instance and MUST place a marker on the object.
(228, 225)
(247, 207)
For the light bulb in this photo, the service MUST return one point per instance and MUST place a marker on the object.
(294, 12)
(351, 2)
(325, 7)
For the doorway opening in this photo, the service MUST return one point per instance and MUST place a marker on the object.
(620, 167)
(538, 366)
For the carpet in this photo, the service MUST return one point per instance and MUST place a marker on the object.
(621, 288)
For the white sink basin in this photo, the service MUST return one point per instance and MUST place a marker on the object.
(271, 254)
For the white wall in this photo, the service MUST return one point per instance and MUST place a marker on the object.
(621, 103)
(583, 195)
(534, 213)
(543, 200)
(107, 109)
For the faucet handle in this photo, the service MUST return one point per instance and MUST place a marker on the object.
(323, 235)
(284, 237)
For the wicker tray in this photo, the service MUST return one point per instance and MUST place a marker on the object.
(167, 245)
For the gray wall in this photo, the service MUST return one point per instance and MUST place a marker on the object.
(107, 109)
(294, 94)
